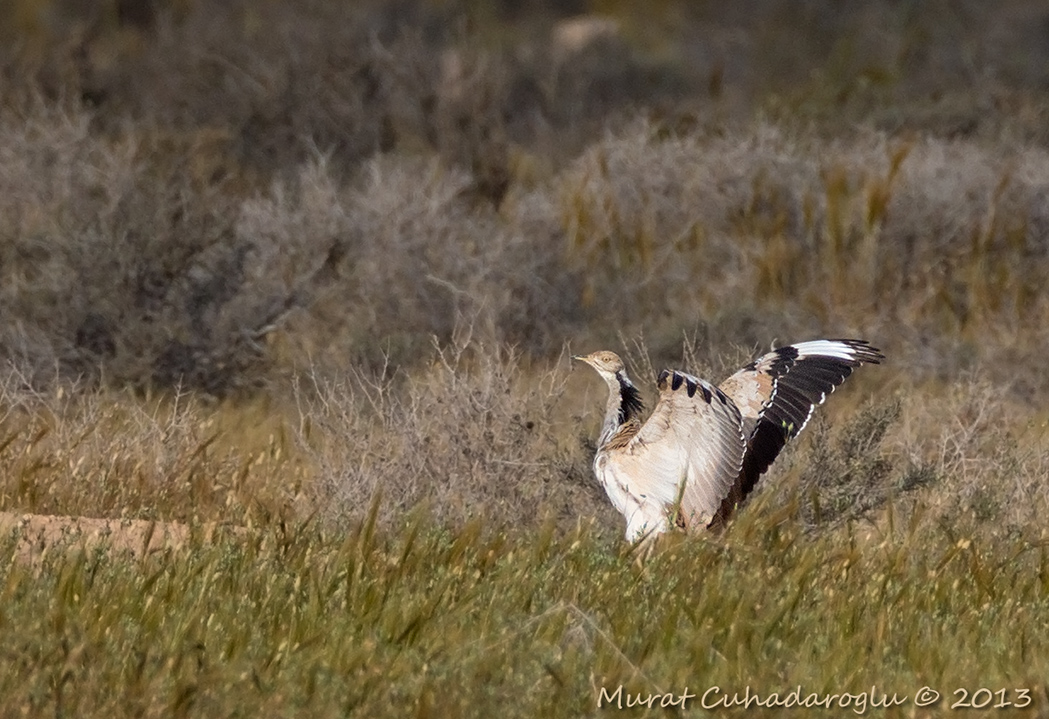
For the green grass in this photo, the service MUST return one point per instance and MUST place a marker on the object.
(472, 623)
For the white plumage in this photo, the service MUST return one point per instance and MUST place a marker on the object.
(703, 449)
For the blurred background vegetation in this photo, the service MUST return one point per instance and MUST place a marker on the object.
(213, 193)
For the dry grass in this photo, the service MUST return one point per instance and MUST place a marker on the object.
(472, 436)
(317, 275)
(110, 454)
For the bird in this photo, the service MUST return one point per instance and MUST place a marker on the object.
(701, 452)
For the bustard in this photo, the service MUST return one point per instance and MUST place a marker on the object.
(703, 449)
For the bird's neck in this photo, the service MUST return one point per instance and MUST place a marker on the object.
(624, 405)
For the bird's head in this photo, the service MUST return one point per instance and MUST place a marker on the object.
(605, 362)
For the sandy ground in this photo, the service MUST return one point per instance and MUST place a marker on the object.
(38, 533)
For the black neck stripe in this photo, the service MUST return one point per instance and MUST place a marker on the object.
(630, 404)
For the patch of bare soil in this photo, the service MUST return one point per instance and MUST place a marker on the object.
(37, 534)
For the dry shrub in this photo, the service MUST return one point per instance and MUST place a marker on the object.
(352, 79)
(990, 456)
(181, 267)
(757, 232)
(416, 255)
(283, 80)
(424, 254)
(650, 217)
(127, 256)
(469, 436)
(847, 474)
(961, 458)
(367, 76)
(120, 258)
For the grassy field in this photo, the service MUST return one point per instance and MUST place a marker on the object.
(471, 622)
(312, 276)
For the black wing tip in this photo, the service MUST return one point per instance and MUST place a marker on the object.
(865, 352)
(798, 394)
(782, 359)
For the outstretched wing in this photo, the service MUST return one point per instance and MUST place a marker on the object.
(685, 457)
(777, 394)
